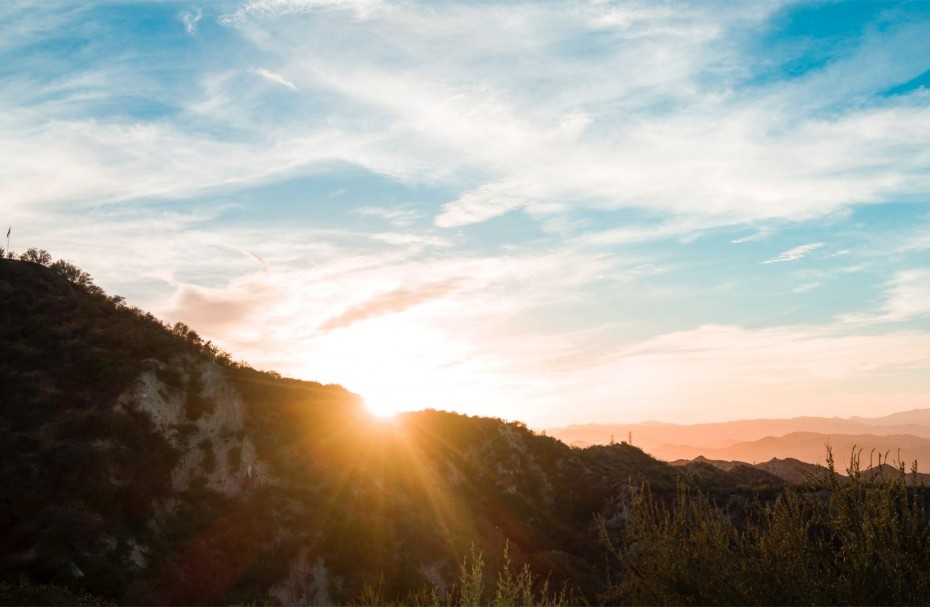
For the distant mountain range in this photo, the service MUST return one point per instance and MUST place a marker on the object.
(903, 436)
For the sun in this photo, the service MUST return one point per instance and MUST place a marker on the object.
(402, 390)
(393, 364)
(381, 409)
(398, 364)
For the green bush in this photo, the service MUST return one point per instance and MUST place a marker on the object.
(855, 542)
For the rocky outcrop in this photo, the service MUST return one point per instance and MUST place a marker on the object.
(213, 442)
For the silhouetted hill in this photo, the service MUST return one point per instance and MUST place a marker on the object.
(793, 470)
(726, 473)
(140, 464)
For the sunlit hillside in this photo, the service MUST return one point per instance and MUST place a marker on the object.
(140, 464)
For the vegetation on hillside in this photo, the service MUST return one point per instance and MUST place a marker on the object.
(102, 503)
(838, 541)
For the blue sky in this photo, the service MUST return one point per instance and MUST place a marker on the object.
(558, 212)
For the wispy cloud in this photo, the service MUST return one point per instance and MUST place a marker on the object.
(906, 297)
(807, 286)
(190, 19)
(397, 216)
(479, 205)
(276, 8)
(388, 303)
(645, 231)
(735, 158)
(796, 253)
(259, 259)
(208, 308)
(274, 77)
(760, 234)
(407, 239)
(565, 139)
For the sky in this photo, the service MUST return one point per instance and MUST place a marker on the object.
(552, 212)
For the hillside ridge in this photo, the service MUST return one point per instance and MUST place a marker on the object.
(147, 467)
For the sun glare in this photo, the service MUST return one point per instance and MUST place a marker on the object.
(398, 364)
(393, 364)
(380, 409)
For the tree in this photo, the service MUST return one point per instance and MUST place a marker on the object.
(39, 256)
(71, 272)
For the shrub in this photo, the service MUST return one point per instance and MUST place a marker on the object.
(512, 588)
(834, 542)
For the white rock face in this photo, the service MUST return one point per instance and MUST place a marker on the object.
(220, 431)
(155, 398)
(235, 468)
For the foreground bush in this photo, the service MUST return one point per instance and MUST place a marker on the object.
(855, 541)
(512, 588)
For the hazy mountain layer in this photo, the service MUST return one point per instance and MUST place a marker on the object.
(804, 438)
(811, 447)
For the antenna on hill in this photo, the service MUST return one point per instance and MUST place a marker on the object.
(8, 230)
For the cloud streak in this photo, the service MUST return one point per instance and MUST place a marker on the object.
(479, 205)
(275, 78)
(392, 302)
(277, 8)
(799, 252)
(908, 295)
